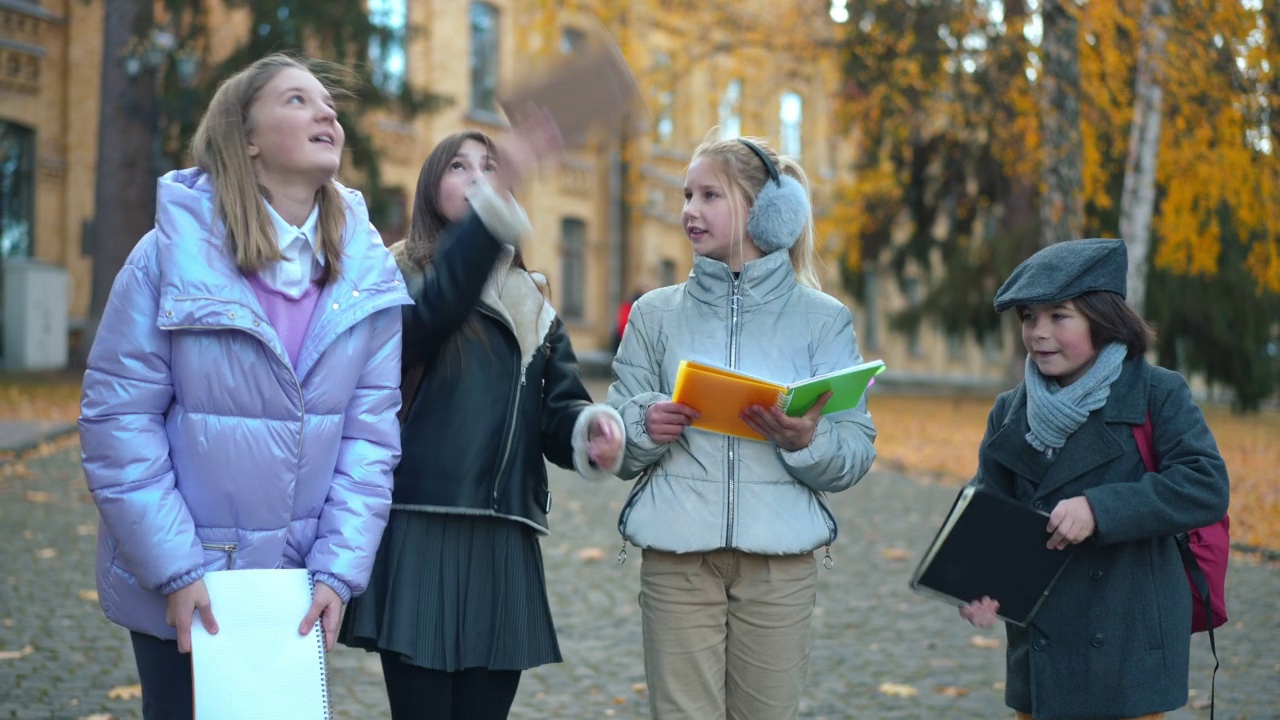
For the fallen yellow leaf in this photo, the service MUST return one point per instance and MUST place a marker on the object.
(619, 701)
(86, 529)
(91, 595)
(898, 690)
(982, 641)
(639, 688)
(16, 654)
(895, 554)
(953, 691)
(591, 554)
(37, 496)
(47, 553)
(98, 716)
(125, 692)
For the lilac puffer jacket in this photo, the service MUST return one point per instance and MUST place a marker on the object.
(203, 448)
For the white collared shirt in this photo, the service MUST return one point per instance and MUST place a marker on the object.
(292, 274)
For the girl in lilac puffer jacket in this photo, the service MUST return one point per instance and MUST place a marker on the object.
(239, 407)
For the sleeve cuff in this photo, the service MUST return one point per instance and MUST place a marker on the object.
(581, 428)
(181, 581)
(343, 590)
(503, 217)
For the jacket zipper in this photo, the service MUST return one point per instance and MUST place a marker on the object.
(734, 303)
(228, 548)
(513, 414)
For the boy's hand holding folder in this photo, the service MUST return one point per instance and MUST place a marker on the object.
(992, 556)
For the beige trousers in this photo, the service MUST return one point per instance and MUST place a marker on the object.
(726, 634)
(1152, 716)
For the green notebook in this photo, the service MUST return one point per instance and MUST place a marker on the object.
(847, 387)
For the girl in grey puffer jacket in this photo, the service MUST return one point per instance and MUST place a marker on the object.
(729, 525)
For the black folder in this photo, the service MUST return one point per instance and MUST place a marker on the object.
(993, 546)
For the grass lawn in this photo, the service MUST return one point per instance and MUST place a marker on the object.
(936, 437)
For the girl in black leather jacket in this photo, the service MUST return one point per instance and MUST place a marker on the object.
(457, 605)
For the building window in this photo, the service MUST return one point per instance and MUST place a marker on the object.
(484, 57)
(665, 101)
(870, 336)
(386, 47)
(17, 189)
(911, 287)
(573, 265)
(572, 41)
(791, 119)
(729, 113)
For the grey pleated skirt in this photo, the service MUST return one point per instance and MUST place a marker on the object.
(450, 592)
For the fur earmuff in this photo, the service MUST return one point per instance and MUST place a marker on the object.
(779, 214)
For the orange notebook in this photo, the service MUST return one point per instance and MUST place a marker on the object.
(720, 394)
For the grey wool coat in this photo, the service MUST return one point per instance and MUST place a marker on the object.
(1112, 639)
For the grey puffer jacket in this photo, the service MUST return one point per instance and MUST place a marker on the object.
(707, 491)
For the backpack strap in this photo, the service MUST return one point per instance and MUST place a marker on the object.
(1145, 438)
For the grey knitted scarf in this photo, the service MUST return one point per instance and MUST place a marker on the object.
(1054, 412)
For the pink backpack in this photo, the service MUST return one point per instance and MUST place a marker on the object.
(1205, 552)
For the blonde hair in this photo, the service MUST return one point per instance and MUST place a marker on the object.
(739, 169)
(220, 149)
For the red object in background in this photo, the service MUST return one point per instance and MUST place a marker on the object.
(624, 312)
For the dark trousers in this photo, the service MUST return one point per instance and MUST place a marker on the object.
(417, 693)
(165, 675)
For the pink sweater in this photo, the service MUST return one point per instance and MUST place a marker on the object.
(290, 317)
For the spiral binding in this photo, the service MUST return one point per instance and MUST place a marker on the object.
(324, 666)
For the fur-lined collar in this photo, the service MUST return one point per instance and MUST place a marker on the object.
(516, 296)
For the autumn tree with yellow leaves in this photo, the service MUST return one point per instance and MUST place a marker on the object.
(953, 187)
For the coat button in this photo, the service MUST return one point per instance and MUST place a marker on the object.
(1040, 644)
(257, 324)
(1040, 506)
(231, 315)
(1095, 574)
(1097, 640)
(169, 314)
(335, 306)
(355, 293)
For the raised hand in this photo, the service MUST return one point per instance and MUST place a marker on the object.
(535, 139)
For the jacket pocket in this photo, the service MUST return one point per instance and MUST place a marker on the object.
(224, 555)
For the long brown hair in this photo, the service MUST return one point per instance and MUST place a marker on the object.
(428, 225)
(220, 149)
(740, 169)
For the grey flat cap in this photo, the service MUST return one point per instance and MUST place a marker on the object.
(1065, 270)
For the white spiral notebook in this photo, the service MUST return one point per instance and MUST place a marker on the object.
(258, 667)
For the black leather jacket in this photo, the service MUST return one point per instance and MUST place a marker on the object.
(479, 425)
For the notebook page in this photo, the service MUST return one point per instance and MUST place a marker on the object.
(258, 666)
